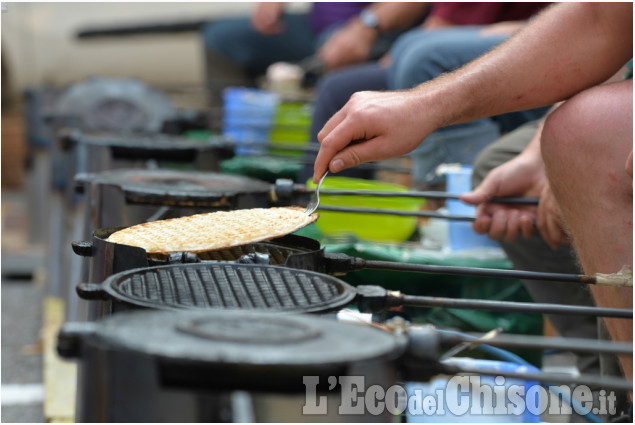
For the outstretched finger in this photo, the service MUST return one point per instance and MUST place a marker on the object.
(347, 145)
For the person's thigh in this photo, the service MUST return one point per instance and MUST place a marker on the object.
(427, 54)
(237, 40)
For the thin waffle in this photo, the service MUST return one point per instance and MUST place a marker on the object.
(213, 231)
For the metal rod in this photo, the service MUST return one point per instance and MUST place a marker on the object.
(429, 214)
(375, 166)
(426, 195)
(473, 271)
(600, 382)
(540, 342)
(538, 308)
(137, 29)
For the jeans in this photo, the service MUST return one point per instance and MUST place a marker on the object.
(236, 40)
(332, 92)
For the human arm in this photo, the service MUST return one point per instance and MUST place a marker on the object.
(266, 18)
(522, 176)
(561, 52)
(353, 42)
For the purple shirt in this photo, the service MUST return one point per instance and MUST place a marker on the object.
(323, 15)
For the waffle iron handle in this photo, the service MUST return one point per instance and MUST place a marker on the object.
(82, 248)
(71, 337)
(91, 291)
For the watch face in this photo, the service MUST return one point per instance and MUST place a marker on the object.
(369, 19)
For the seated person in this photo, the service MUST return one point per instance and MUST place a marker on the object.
(239, 50)
(452, 35)
(586, 143)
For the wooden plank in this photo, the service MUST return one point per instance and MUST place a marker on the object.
(60, 376)
(13, 148)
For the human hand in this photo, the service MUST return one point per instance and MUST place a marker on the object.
(349, 45)
(522, 176)
(550, 222)
(266, 18)
(371, 126)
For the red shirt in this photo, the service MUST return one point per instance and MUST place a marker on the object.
(484, 13)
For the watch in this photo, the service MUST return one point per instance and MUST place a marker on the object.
(369, 19)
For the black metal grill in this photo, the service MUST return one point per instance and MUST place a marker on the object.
(226, 286)
(277, 255)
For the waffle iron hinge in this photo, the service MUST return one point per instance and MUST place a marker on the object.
(375, 299)
(338, 264)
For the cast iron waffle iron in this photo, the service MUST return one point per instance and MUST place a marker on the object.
(149, 146)
(252, 350)
(221, 285)
(194, 189)
(107, 258)
(238, 350)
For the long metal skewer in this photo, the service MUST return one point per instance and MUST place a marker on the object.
(425, 195)
(540, 342)
(428, 214)
(539, 308)
(601, 382)
(473, 271)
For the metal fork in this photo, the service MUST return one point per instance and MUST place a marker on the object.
(315, 200)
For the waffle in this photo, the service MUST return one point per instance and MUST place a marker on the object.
(213, 231)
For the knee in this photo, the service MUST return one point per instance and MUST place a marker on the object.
(590, 131)
(567, 135)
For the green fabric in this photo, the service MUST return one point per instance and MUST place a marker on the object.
(503, 289)
(629, 73)
(440, 285)
(262, 167)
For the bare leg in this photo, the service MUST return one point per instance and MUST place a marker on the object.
(585, 145)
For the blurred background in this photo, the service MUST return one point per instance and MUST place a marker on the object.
(40, 43)
(43, 54)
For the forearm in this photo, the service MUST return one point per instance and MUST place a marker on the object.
(545, 62)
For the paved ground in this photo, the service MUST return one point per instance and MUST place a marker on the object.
(23, 293)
